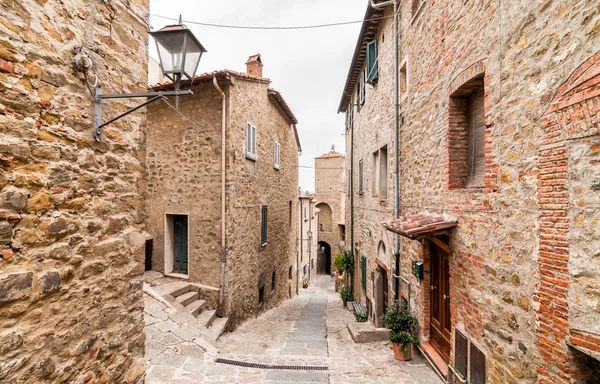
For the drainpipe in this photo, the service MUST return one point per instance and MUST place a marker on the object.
(301, 246)
(397, 274)
(223, 154)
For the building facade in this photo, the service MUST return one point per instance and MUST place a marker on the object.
(498, 134)
(244, 245)
(308, 222)
(71, 208)
(330, 196)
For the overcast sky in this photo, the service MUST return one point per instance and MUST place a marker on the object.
(308, 67)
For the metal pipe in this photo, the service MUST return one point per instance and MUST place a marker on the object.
(301, 246)
(223, 202)
(397, 149)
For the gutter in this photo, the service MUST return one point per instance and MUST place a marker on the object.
(223, 202)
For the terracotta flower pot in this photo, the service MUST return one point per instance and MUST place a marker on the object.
(399, 353)
(345, 303)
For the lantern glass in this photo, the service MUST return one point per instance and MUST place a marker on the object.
(179, 51)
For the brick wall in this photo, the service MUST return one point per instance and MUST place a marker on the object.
(71, 209)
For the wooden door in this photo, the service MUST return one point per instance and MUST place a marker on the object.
(385, 290)
(439, 328)
(180, 244)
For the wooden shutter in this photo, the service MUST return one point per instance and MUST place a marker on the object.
(477, 374)
(250, 140)
(263, 227)
(361, 89)
(476, 161)
(363, 268)
(276, 154)
(460, 353)
(372, 67)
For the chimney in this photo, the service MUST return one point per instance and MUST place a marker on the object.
(254, 65)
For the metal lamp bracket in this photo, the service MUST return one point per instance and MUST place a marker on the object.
(99, 96)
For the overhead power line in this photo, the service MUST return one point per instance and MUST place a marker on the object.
(271, 27)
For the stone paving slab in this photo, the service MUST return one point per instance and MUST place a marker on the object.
(308, 330)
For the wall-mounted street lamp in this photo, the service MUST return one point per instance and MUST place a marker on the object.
(179, 53)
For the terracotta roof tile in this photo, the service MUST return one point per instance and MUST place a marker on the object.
(330, 155)
(413, 226)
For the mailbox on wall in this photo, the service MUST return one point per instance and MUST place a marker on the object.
(418, 269)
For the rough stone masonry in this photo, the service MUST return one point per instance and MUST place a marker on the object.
(71, 209)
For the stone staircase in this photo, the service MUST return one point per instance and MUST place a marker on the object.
(193, 303)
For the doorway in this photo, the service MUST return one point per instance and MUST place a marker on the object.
(440, 324)
(176, 244)
(323, 258)
(381, 296)
(148, 260)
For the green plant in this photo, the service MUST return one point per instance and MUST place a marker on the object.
(305, 283)
(404, 339)
(346, 295)
(400, 321)
(360, 317)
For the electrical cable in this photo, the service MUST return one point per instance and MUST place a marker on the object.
(279, 28)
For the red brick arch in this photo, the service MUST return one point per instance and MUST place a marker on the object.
(573, 113)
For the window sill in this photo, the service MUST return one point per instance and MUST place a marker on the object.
(177, 275)
(251, 157)
(262, 246)
(276, 167)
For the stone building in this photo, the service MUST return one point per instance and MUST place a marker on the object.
(308, 222)
(498, 171)
(71, 208)
(245, 244)
(330, 194)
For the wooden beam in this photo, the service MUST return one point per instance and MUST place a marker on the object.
(441, 244)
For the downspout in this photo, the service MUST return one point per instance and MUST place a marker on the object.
(397, 252)
(301, 247)
(223, 179)
(397, 274)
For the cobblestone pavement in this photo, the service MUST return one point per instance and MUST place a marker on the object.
(308, 330)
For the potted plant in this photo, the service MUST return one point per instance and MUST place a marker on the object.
(360, 317)
(346, 297)
(344, 263)
(305, 283)
(400, 322)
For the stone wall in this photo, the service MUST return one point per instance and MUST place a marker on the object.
(514, 234)
(308, 218)
(252, 184)
(331, 189)
(71, 208)
(184, 177)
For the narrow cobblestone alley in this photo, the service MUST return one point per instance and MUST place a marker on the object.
(308, 330)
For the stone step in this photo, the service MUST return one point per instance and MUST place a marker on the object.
(218, 327)
(187, 298)
(196, 307)
(207, 317)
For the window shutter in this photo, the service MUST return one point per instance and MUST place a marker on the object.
(361, 89)
(263, 228)
(477, 374)
(363, 267)
(276, 154)
(476, 140)
(254, 140)
(460, 353)
(372, 67)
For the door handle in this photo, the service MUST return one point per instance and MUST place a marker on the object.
(446, 297)
(432, 287)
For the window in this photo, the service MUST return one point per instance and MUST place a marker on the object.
(273, 281)
(404, 78)
(276, 153)
(466, 135)
(360, 178)
(290, 273)
(263, 227)
(342, 232)
(261, 295)
(380, 173)
(372, 67)
(469, 361)
(361, 90)
(383, 173)
(290, 213)
(250, 141)
(375, 175)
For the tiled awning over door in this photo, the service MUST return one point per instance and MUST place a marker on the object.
(421, 225)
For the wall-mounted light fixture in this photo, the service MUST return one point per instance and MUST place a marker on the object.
(179, 53)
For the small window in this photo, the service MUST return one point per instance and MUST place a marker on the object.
(360, 178)
(273, 281)
(361, 90)
(263, 227)
(375, 174)
(276, 154)
(476, 140)
(342, 232)
(290, 213)
(261, 295)
(250, 141)
(383, 174)
(290, 273)
(404, 78)
(372, 67)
